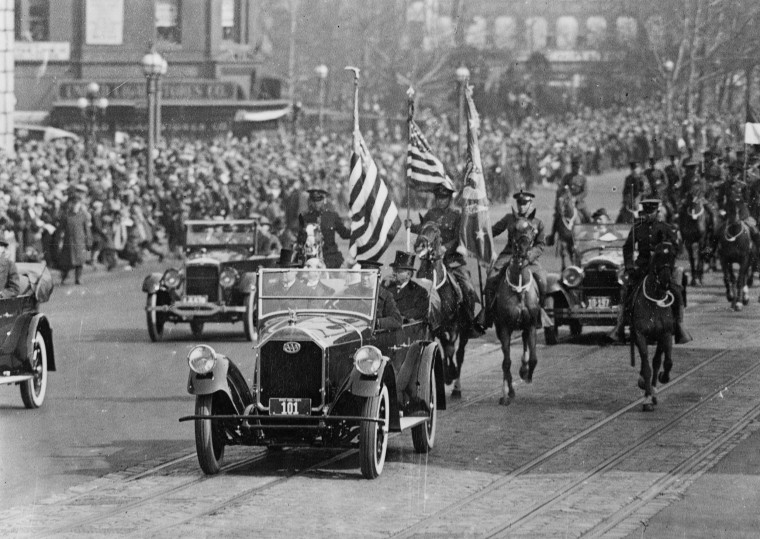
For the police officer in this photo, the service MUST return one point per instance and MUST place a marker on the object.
(525, 210)
(645, 235)
(575, 182)
(449, 219)
(330, 224)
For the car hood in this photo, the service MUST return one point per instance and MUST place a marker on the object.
(325, 330)
(600, 256)
(216, 257)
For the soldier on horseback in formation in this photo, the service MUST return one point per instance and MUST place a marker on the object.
(575, 182)
(658, 188)
(646, 234)
(734, 193)
(329, 223)
(526, 212)
(448, 220)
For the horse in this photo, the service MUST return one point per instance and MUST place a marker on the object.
(310, 242)
(451, 325)
(518, 309)
(627, 215)
(652, 322)
(735, 246)
(568, 216)
(692, 222)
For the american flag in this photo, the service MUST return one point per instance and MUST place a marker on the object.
(424, 171)
(374, 216)
(475, 233)
(751, 127)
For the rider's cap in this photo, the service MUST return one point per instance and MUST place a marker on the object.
(286, 259)
(523, 196)
(575, 160)
(317, 194)
(443, 191)
(633, 164)
(404, 260)
(691, 163)
(370, 264)
(672, 156)
(3, 241)
(651, 160)
(707, 154)
(650, 205)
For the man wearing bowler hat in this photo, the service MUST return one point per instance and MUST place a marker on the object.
(387, 314)
(524, 211)
(449, 220)
(575, 182)
(411, 299)
(10, 284)
(329, 223)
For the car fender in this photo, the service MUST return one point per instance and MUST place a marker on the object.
(247, 283)
(17, 347)
(224, 377)
(361, 385)
(553, 283)
(414, 377)
(152, 283)
(41, 323)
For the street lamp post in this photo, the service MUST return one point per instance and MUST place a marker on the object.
(669, 66)
(321, 71)
(154, 66)
(164, 68)
(463, 75)
(91, 108)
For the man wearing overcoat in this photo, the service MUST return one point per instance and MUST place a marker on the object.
(411, 299)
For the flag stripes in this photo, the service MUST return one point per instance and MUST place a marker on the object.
(751, 127)
(374, 217)
(424, 171)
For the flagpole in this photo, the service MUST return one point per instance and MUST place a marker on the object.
(356, 95)
(410, 117)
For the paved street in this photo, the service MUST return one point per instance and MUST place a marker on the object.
(572, 456)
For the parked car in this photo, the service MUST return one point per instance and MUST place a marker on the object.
(44, 133)
(588, 292)
(216, 283)
(26, 342)
(321, 374)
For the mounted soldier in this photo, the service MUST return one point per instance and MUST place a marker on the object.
(575, 182)
(643, 238)
(673, 175)
(658, 187)
(734, 193)
(329, 223)
(526, 213)
(448, 220)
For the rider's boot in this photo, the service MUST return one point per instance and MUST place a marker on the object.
(490, 299)
(618, 332)
(549, 240)
(682, 335)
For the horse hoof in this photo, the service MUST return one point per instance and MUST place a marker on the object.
(503, 401)
(664, 377)
(654, 399)
(642, 384)
(738, 307)
(648, 407)
(524, 373)
(456, 393)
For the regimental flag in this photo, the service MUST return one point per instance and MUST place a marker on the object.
(374, 216)
(424, 171)
(752, 127)
(475, 234)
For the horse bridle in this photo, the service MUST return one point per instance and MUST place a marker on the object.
(664, 302)
(744, 228)
(519, 288)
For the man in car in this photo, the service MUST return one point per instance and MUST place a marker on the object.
(330, 224)
(387, 315)
(313, 285)
(10, 284)
(287, 277)
(411, 299)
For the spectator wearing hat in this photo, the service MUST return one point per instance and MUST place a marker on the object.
(633, 187)
(411, 299)
(387, 315)
(508, 223)
(265, 243)
(10, 284)
(330, 224)
(673, 174)
(74, 235)
(646, 234)
(448, 220)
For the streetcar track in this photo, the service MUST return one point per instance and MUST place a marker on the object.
(540, 459)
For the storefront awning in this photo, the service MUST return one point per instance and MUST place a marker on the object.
(262, 115)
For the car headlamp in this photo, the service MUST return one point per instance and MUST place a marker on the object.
(171, 278)
(572, 276)
(201, 359)
(368, 360)
(228, 277)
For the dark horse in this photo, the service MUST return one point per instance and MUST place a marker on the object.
(692, 222)
(735, 246)
(568, 216)
(518, 309)
(652, 322)
(449, 323)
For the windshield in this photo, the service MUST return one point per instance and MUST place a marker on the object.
(219, 233)
(317, 290)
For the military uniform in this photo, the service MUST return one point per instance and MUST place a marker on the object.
(575, 182)
(673, 176)
(658, 187)
(633, 189)
(330, 224)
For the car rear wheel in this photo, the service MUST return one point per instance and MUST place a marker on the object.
(209, 436)
(550, 332)
(576, 328)
(33, 391)
(373, 436)
(155, 319)
(249, 322)
(423, 436)
(196, 326)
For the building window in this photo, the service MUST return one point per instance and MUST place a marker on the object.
(627, 30)
(168, 21)
(32, 21)
(231, 20)
(505, 33)
(596, 31)
(536, 33)
(567, 33)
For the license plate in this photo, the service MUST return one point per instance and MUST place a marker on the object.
(599, 302)
(196, 299)
(289, 406)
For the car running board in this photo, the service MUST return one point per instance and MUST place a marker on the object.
(17, 379)
(409, 422)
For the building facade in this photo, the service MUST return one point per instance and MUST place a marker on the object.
(6, 76)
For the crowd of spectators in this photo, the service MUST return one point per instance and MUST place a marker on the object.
(266, 175)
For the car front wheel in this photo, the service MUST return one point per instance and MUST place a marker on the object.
(33, 391)
(249, 322)
(209, 437)
(373, 435)
(423, 436)
(155, 319)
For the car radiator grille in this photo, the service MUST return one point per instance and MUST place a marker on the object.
(202, 281)
(296, 375)
(601, 283)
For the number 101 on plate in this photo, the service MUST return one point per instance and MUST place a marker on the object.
(289, 406)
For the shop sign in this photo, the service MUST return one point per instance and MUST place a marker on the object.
(42, 51)
(136, 90)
